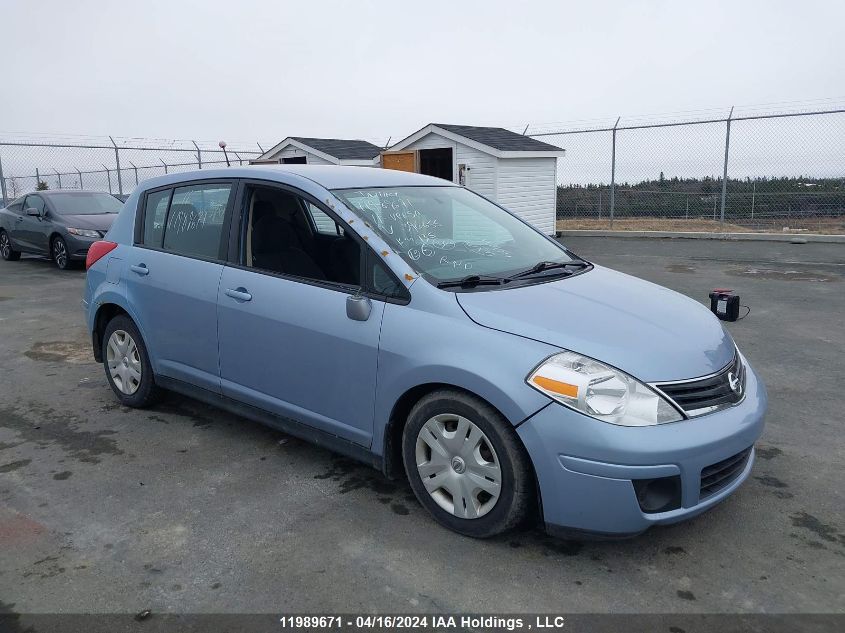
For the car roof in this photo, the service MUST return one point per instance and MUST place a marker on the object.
(328, 176)
(50, 192)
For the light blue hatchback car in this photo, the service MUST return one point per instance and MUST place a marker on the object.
(418, 327)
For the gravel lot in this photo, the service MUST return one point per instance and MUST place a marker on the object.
(185, 508)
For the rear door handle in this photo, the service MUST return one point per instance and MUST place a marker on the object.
(141, 269)
(239, 294)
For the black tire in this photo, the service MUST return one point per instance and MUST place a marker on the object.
(147, 392)
(59, 253)
(517, 496)
(6, 250)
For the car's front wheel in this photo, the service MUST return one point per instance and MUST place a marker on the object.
(466, 464)
(6, 251)
(127, 364)
(58, 251)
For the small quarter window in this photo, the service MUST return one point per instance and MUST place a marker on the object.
(155, 213)
(323, 222)
(195, 220)
(382, 281)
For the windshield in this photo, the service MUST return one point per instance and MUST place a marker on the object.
(85, 203)
(449, 233)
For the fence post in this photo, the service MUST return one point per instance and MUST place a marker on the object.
(165, 166)
(37, 178)
(613, 175)
(725, 173)
(753, 195)
(59, 176)
(2, 182)
(80, 179)
(136, 172)
(108, 175)
(199, 154)
(117, 162)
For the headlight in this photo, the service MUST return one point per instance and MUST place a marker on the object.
(83, 232)
(602, 392)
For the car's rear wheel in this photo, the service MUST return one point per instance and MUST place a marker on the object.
(127, 364)
(59, 254)
(6, 250)
(466, 465)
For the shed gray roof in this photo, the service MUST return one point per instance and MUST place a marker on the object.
(499, 138)
(344, 149)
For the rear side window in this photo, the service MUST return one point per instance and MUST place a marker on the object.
(155, 214)
(194, 225)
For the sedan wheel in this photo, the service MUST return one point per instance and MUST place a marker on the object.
(458, 466)
(60, 253)
(124, 362)
(6, 250)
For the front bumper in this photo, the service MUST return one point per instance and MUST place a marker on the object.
(77, 246)
(585, 467)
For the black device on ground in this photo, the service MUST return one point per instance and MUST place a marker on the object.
(724, 304)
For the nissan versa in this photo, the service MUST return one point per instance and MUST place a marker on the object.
(419, 327)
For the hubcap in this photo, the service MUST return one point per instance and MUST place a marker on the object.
(124, 362)
(458, 466)
(59, 253)
(5, 247)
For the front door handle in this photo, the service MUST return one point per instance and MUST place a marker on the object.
(19, 218)
(239, 294)
(141, 269)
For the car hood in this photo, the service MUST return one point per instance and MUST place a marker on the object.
(96, 221)
(650, 332)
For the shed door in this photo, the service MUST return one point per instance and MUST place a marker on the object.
(400, 161)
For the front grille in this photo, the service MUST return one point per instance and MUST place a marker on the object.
(719, 475)
(705, 395)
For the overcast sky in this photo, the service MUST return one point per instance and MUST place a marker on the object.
(248, 70)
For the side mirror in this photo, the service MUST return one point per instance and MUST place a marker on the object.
(33, 211)
(358, 308)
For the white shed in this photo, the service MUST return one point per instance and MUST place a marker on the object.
(516, 171)
(322, 151)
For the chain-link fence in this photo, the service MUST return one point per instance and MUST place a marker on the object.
(115, 165)
(737, 170)
(733, 171)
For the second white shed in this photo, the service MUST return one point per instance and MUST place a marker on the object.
(516, 171)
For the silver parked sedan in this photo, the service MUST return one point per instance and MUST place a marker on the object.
(60, 224)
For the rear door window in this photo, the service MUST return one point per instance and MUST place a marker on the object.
(195, 220)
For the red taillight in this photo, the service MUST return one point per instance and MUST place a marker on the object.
(97, 250)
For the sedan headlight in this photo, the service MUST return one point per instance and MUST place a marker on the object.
(84, 232)
(600, 391)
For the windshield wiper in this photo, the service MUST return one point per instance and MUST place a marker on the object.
(540, 267)
(471, 281)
